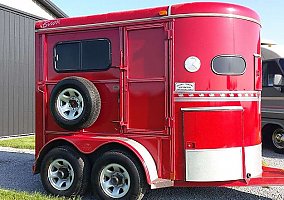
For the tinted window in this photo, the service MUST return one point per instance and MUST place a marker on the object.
(83, 55)
(96, 54)
(228, 65)
(281, 62)
(269, 69)
(68, 56)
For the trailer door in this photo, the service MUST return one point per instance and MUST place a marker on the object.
(146, 104)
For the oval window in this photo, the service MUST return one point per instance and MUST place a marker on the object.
(228, 65)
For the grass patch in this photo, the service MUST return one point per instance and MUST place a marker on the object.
(20, 143)
(12, 195)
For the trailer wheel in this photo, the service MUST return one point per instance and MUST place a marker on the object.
(277, 139)
(117, 175)
(65, 172)
(267, 136)
(75, 103)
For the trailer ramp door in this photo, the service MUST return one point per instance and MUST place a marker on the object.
(207, 133)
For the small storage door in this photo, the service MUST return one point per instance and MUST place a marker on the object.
(213, 139)
(146, 49)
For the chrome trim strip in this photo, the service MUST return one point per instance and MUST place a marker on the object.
(102, 24)
(152, 19)
(221, 92)
(202, 99)
(218, 15)
(221, 108)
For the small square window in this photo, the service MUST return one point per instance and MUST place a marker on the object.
(67, 56)
(96, 54)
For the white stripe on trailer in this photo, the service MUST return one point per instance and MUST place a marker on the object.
(254, 160)
(207, 99)
(224, 164)
(148, 160)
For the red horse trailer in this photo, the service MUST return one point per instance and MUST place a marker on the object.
(160, 97)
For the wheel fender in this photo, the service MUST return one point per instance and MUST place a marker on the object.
(138, 149)
(144, 155)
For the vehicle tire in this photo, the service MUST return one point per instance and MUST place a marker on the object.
(117, 175)
(266, 136)
(277, 141)
(65, 172)
(75, 103)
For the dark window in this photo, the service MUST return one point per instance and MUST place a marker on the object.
(269, 70)
(67, 56)
(96, 54)
(83, 55)
(281, 62)
(228, 65)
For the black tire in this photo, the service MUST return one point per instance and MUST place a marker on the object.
(267, 137)
(73, 184)
(83, 105)
(276, 143)
(120, 181)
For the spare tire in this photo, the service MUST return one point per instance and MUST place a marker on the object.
(75, 103)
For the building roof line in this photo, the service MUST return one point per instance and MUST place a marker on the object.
(53, 8)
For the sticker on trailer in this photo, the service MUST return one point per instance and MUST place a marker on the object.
(192, 64)
(184, 87)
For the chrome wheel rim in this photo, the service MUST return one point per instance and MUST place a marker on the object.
(60, 174)
(70, 104)
(277, 138)
(115, 180)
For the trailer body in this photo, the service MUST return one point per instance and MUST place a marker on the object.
(170, 94)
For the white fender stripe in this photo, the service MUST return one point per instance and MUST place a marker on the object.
(148, 161)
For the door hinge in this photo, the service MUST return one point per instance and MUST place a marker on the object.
(169, 122)
(170, 34)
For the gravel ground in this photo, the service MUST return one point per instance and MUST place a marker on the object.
(16, 173)
(241, 193)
